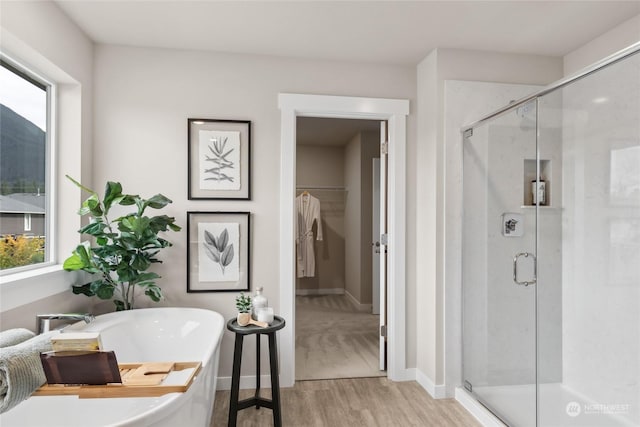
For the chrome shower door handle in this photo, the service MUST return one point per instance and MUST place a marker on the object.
(515, 269)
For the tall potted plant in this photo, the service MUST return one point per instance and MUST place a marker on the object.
(125, 247)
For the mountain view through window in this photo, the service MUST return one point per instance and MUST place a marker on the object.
(23, 169)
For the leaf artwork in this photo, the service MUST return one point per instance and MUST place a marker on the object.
(220, 160)
(218, 249)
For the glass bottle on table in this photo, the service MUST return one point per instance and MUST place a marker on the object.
(259, 301)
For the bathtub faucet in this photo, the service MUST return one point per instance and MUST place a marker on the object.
(43, 321)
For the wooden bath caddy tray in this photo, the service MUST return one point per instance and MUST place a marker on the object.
(138, 380)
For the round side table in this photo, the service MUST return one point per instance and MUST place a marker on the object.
(274, 404)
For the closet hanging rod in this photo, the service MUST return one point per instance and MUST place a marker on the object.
(320, 187)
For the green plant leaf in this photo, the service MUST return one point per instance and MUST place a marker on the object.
(161, 222)
(158, 201)
(153, 292)
(95, 228)
(102, 240)
(82, 290)
(140, 263)
(125, 223)
(88, 190)
(93, 205)
(112, 191)
(147, 277)
(119, 305)
(105, 291)
(73, 263)
(127, 200)
(125, 274)
(83, 251)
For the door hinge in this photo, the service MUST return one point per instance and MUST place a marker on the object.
(468, 386)
(384, 239)
(383, 331)
(384, 147)
(468, 133)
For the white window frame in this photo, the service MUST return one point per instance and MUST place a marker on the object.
(18, 273)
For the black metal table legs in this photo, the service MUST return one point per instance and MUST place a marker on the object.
(257, 401)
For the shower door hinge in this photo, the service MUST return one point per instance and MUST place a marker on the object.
(468, 133)
(468, 386)
(383, 331)
(384, 239)
(384, 147)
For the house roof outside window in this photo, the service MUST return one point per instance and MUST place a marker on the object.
(19, 203)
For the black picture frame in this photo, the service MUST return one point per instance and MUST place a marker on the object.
(208, 251)
(225, 144)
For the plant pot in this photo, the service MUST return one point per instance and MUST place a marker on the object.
(244, 319)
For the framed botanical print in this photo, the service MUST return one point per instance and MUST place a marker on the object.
(218, 253)
(219, 156)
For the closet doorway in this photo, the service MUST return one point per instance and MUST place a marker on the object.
(394, 112)
(339, 308)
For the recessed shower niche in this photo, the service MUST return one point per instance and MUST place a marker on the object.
(529, 179)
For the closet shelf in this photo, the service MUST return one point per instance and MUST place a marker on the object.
(320, 188)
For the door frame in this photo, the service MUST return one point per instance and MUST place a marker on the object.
(395, 112)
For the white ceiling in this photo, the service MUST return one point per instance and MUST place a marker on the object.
(395, 32)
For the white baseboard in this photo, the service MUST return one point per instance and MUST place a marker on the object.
(436, 391)
(246, 382)
(480, 413)
(363, 308)
(324, 291)
(408, 374)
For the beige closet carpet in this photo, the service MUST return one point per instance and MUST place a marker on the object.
(333, 340)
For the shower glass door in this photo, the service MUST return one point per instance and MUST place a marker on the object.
(499, 264)
(589, 245)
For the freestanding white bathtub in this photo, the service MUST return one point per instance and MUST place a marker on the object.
(143, 335)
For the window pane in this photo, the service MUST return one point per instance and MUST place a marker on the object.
(23, 170)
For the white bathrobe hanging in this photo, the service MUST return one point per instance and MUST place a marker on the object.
(308, 211)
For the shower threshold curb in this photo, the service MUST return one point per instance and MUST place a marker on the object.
(475, 408)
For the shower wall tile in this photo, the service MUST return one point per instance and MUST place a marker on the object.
(601, 237)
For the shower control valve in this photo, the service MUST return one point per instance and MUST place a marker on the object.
(512, 224)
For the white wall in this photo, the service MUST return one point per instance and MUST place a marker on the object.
(41, 37)
(323, 166)
(616, 39)
(359, 153)
(433, 182)
(143, 98)
(352, 215)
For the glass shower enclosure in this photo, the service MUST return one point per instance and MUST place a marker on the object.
(551, 253)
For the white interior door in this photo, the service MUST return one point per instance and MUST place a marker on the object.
(382, 238)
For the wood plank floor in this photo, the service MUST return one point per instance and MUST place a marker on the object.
(350, 403)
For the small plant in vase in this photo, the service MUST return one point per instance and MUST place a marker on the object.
(243, 304)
